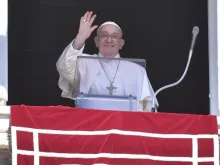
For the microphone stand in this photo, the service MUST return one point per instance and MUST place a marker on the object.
(153, 109)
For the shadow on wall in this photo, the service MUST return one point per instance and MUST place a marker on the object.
(3, 61)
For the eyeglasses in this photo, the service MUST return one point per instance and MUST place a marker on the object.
(106, 36)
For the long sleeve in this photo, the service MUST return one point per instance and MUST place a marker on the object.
(66, 67)
(147, 95)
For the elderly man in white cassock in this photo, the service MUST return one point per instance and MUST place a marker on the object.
(115, 77)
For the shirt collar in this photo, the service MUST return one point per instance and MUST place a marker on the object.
(117, 55)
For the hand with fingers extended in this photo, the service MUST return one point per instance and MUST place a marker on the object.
(85, 29)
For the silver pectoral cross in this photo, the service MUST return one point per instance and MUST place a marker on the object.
(111, 88)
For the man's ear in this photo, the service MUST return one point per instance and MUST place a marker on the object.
(96, 41)
(122, 42)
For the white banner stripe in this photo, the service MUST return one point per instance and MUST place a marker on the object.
(195, 150)
(14, 146)
(115, 131)
(115, 156)
(36, 148)
(216, 150)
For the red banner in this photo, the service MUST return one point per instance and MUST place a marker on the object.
(63, 135)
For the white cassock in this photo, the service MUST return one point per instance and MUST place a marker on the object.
(94, 77)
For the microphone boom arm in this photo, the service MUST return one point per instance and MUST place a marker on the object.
(195, 33)
(173, 84)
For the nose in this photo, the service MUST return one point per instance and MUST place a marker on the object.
(109, 39)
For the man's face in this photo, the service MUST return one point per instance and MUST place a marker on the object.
(109, 40)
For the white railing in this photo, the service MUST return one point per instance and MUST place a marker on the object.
(5, 111)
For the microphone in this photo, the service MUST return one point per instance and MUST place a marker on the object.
(195, 33)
